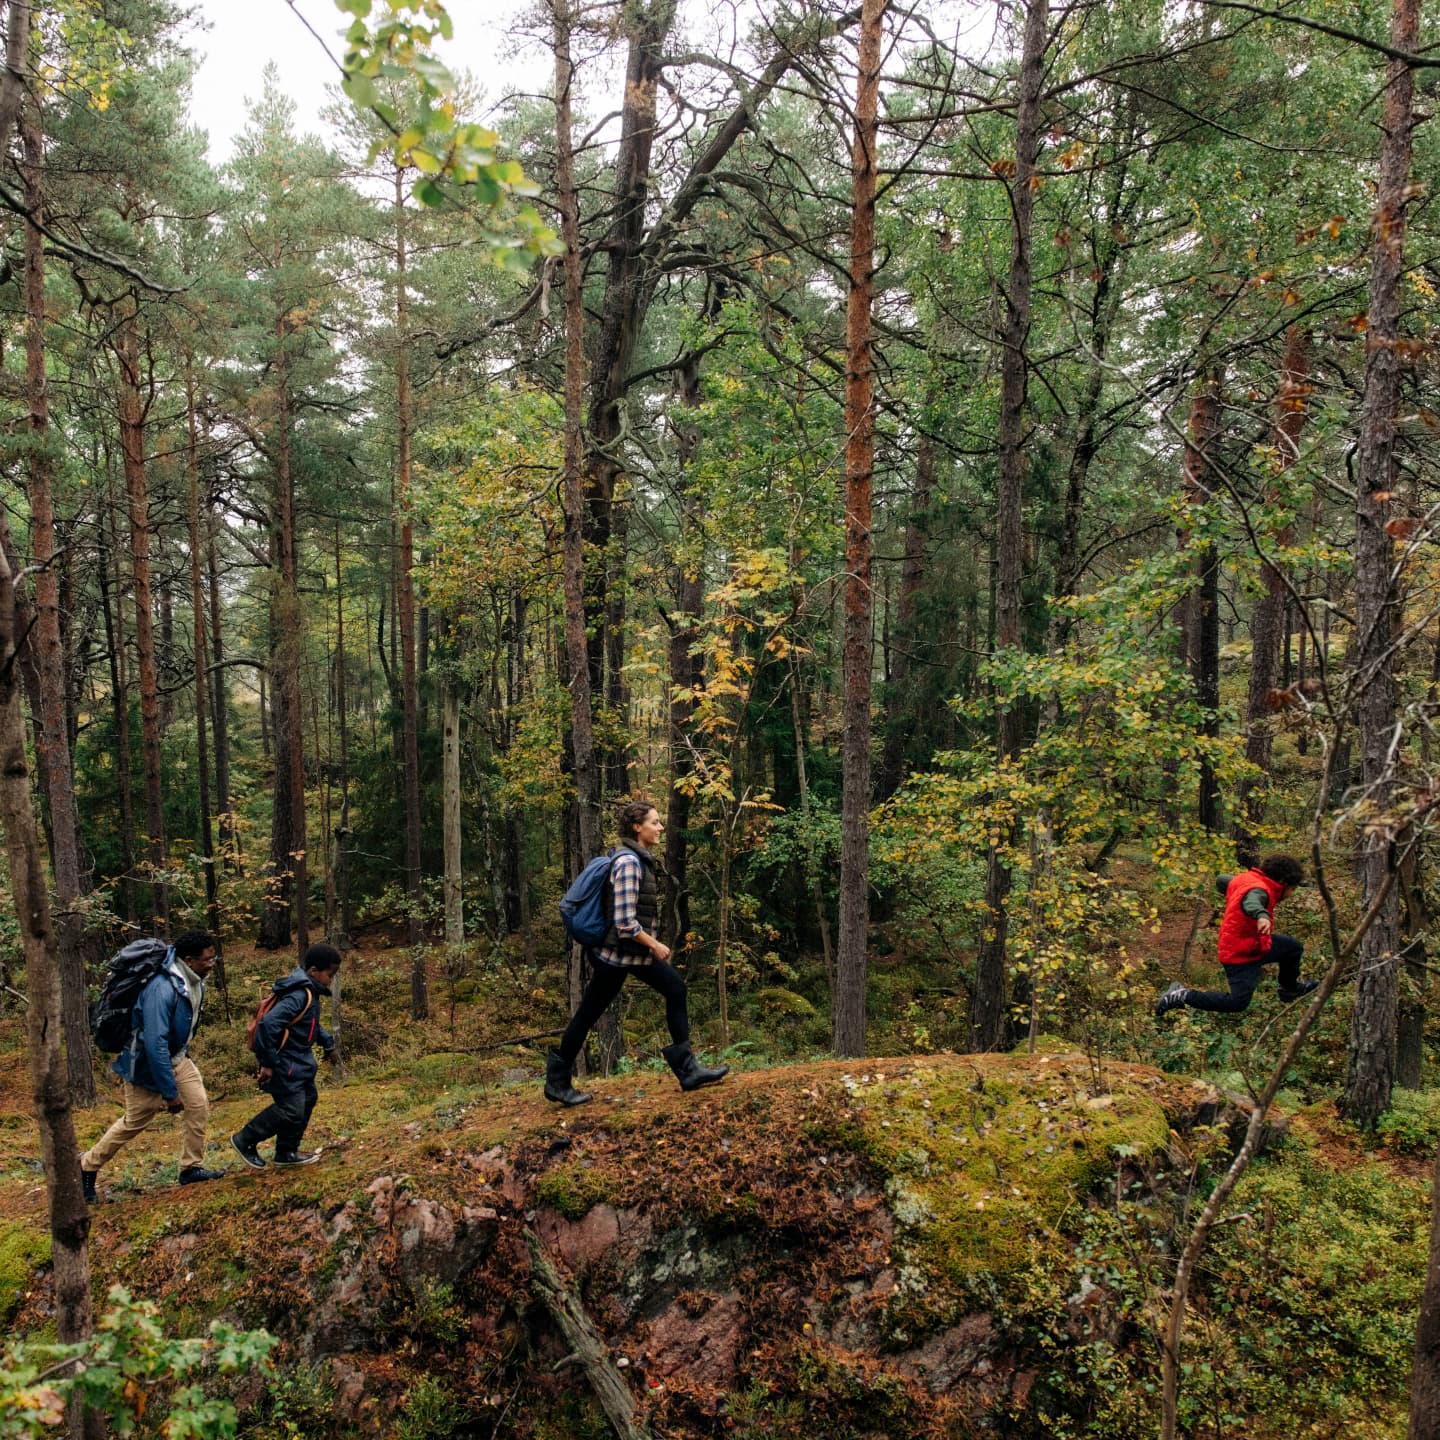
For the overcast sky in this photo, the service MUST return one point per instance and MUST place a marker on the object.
(240, 36)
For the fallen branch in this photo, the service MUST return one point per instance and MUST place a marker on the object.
(497, 1045)
(585, 1341)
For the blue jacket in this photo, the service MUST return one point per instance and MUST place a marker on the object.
(160, 1026)
(286, 1036)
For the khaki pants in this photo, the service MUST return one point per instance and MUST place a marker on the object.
(142, 1106)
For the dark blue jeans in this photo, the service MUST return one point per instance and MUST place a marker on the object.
(1285, 952)
(285, 1117)
(605, 984)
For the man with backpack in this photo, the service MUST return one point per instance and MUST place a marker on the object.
(155, 1063)
(626, 945)
(283, 1036)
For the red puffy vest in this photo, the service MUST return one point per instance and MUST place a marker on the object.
(1240, 939)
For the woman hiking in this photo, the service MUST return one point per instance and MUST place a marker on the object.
(630, 948)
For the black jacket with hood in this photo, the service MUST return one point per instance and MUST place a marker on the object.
(286, 1036)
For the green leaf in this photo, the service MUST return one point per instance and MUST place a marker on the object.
(424, 161)
(358, 8)
(429, 194)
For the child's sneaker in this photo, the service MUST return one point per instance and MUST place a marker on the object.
(247, 1152)
(295, 1157)
(1171, 999)
(1302, 987)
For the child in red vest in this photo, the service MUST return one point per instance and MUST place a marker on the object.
(1248, 942)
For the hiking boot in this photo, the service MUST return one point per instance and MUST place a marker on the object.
(198, 1174)
(87, 1184)
(296, 1157)
(688, 1070)
(557, 1081)
(247, 1152)
(1171, 999)
(1301, 987)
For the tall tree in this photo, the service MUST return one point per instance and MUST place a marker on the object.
(54, 737)
(853, 936)
(1370, 1064)
(987, 1009)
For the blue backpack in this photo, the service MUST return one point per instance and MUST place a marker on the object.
(585, 907)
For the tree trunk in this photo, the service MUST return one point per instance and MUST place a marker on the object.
(1425, 1369)
(1370, 1064)
(454, 895)
(987, 1008)
(132, 412)
(848, 1003)
(205, 839)
(341, 862)
(119, 691)
(1199, 488)
(50, 1085)
(219, 696)
(582, 730)
(405, 615)
(912, 575)
(54, 739)
(1268, 625)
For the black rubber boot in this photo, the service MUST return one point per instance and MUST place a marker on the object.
(688, 1070)
(557, 1081)
(87, 1184)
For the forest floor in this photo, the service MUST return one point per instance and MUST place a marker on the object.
(944, 1240)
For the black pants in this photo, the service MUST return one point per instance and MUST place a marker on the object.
(1285, 952)
(285, 1117)
(604, 986)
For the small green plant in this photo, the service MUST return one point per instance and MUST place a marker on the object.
(430, 1411)
(1413, 1121)
(127, 1369)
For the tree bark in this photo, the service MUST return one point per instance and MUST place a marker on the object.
(405, 614)
(582, 730)
(205, 838)
(54, 739)
(1370, 1064)
(454, 894)
(912, 575)
(1199, 489)
(219, 694)
(987, 1008)
(50, 1085)
(1268, 620)
(1425, 1369)
(341, 865)
(132, 413)
(848, 1004)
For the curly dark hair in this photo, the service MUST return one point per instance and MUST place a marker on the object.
(632, 817)
(195, 942)
(1283, 870)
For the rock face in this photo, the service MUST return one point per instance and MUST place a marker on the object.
(858, 1247)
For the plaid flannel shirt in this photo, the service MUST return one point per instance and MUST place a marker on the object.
(625, 876)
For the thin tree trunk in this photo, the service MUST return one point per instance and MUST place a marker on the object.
(1370, 1064)
(1199, 483)
(405, 616)
(132, 441)
(848, 1001)
(1269, 627)
(912, 575)
(582, 731)
(1425, 1369)
(54, 738)
(454, 895)
(50, 1085)
(205, 838)
(987, 1008)
(341, 866)
(219, 696)
(119, 691)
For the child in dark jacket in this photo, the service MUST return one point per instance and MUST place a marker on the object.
(285, 1041)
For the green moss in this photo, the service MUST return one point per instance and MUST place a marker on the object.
(980, 1167)
(22, 1248)
(573, 1190)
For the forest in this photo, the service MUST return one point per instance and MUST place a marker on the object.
(971, 472)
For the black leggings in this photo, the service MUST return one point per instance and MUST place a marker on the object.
(604, 986)
(1284, 952)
